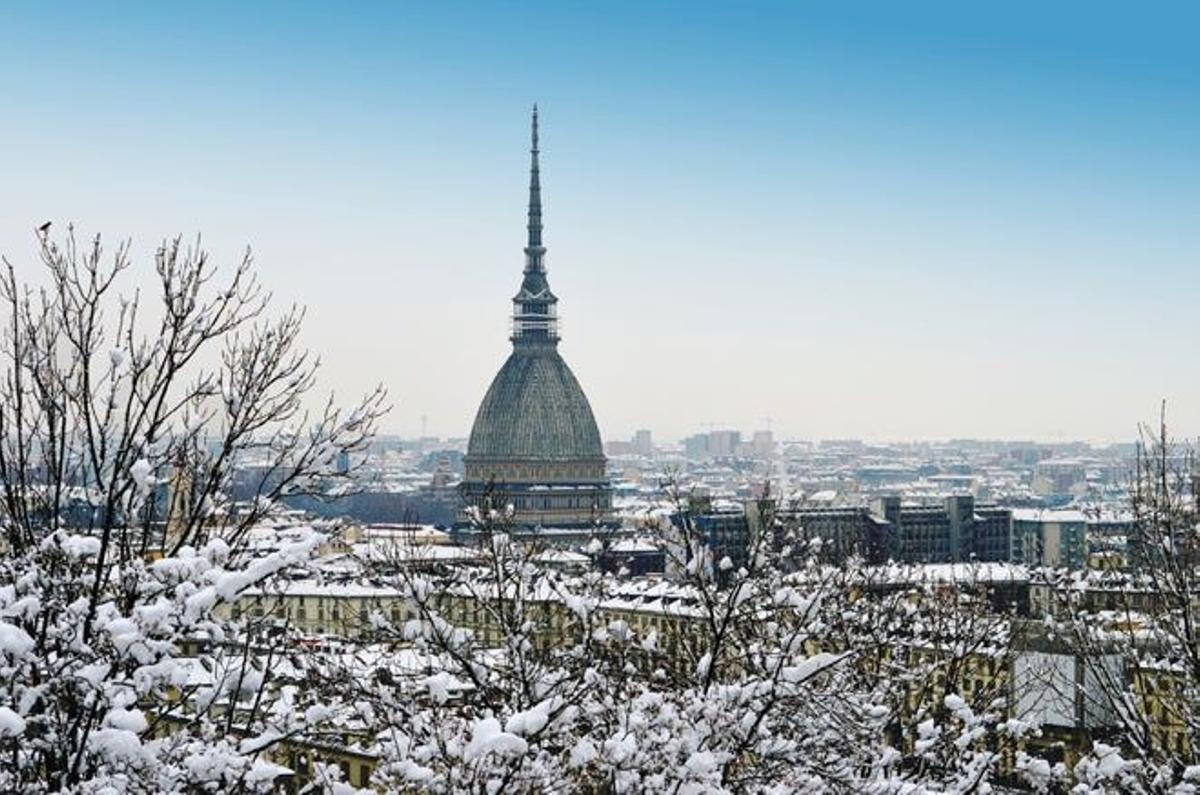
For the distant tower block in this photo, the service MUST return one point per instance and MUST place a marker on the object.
(180, 501)
(643, 443)
(535, 440)
(443, 475)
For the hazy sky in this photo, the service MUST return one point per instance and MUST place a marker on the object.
(892, 220)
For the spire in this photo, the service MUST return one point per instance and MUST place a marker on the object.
(534, 249)
(535, 314)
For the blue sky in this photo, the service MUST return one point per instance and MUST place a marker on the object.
(881, 220)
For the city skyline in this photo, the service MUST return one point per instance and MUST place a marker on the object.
(935, 223)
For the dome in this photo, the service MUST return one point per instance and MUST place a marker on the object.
(535, 410)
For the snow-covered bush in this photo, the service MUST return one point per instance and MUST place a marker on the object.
(755, 678)
(121, 424)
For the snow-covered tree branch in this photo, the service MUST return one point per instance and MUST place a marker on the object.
(123, 417)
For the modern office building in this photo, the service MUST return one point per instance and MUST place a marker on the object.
(957, 530)
(1050, 538)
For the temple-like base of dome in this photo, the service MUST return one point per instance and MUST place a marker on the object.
(560, 505)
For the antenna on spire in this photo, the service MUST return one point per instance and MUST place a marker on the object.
(534, 248)
(535, 139)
